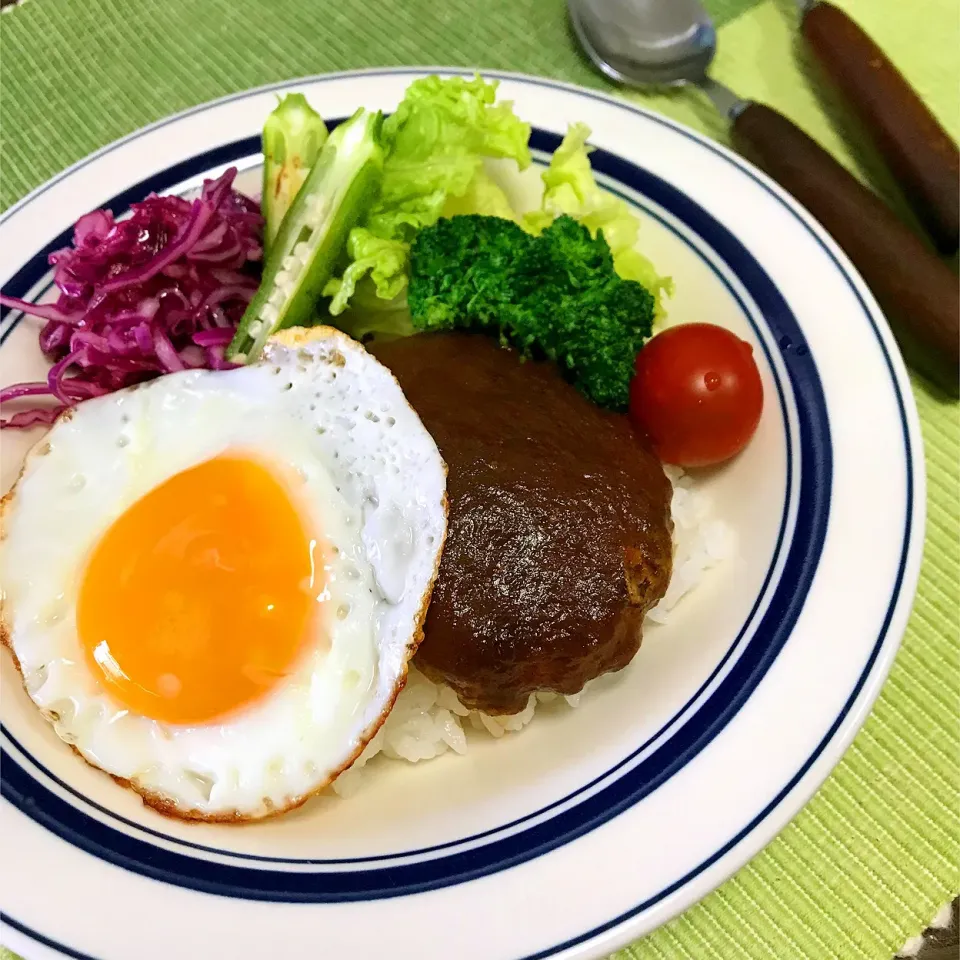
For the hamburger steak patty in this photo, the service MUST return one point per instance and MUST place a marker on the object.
(559, 533)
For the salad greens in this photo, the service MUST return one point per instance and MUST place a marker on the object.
(483, 196)
(343, 214)
(293, 136)
(313, 234)
(434, 147)
(375, 191)
(556, 294)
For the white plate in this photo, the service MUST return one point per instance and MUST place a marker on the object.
(592, 826)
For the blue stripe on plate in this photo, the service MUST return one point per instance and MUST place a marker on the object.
(7, 920)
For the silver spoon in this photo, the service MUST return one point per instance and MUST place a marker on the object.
(650, 43)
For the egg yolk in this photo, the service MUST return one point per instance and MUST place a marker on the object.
(199, 598)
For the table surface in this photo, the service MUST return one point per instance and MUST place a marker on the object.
(875, 854)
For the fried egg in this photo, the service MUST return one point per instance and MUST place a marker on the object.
(212, 583)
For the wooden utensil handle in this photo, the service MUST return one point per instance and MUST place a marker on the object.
(911, 284)
(919, 152)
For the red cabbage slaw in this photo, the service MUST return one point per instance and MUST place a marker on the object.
(158, 292)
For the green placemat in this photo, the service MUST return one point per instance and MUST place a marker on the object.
(875, 853)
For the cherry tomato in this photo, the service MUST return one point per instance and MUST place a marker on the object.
(697, 394)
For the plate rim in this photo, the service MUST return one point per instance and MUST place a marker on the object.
(835, 743)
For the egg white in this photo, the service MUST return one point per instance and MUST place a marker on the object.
(317, 404)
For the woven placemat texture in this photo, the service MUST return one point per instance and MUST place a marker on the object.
(870, 860)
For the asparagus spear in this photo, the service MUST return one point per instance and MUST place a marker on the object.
(313, 233)
(293, 136)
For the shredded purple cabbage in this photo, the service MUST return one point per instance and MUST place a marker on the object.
(155, 293)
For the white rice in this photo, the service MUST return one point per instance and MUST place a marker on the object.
(428, 719)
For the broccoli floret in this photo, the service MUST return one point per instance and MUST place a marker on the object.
(555, 294)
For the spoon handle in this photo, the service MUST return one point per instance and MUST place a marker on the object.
(920, 153)
(913, 286)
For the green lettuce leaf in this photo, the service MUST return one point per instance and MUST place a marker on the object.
(570, 188)
(383, 261)
(435, 144)
(483, 196)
